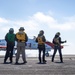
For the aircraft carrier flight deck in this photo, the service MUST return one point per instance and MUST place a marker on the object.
(33, 68)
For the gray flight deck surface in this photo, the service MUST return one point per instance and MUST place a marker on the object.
(32, 68)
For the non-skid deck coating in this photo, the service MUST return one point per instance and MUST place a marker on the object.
(32, 68)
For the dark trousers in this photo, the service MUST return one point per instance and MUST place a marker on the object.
(9, 53)
(60, 53)
(41, 49)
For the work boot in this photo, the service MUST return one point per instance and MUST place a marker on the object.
(24, 62)
(39, 62)
(61, 61)
(16, 63)
(44, 61)
(52, 60)
(11, 61)
(4, 62)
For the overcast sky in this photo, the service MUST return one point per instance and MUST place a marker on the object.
(34, 15)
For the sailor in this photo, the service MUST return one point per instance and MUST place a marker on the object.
(21, 38)
(41, 46)
(10, 39)
(57, 46)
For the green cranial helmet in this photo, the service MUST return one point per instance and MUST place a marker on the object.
(11, 30)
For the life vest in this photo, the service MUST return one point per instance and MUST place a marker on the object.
(56, 40)
(40, 41)
(11, 37)
(21, 37)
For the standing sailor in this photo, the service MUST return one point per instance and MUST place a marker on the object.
(41, 46)
(21, 38)
(10, 39)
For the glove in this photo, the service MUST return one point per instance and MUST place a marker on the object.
(65, 41)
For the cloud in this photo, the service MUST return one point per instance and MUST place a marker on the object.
(37, 22)
(49, 21)
(2, 20)
(65, 26)
(40, 19)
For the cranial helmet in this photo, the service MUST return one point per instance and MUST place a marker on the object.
(41, 31)
(58, 33)
(11, 30)
(22, 28)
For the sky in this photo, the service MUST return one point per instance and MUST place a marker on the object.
(34, 15)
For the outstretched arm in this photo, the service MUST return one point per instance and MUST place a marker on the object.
(62, 41)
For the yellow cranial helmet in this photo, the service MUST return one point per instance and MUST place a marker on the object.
(22, 28)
